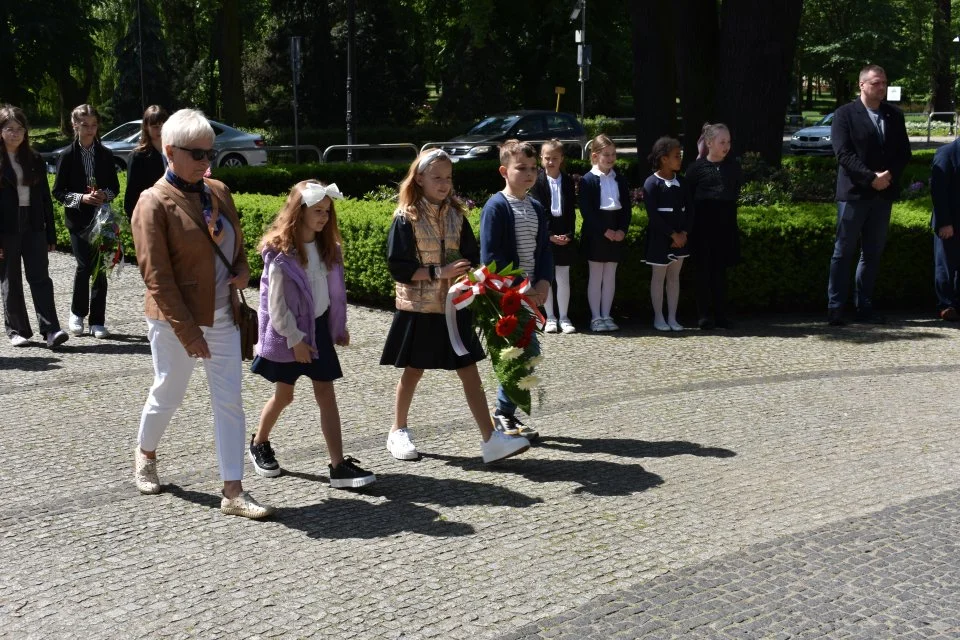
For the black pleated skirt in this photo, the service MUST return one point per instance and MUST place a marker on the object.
(421, 340)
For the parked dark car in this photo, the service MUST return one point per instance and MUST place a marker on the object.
(536, 126)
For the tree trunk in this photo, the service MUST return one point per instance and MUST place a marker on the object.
(757, 44)
(654, 81)
(231, 80)
(10, 90)
(941, 82)
(696, 68)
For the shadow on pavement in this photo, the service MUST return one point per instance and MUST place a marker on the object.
(30, 363)
(631, 448)
(337, 518)
(597, 477)
(114, 345)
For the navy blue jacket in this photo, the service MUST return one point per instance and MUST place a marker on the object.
(945, 186)
(590, 205)
(498, 238)
(861, 155)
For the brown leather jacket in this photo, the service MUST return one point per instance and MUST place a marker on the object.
(176, 258)
(429, 296)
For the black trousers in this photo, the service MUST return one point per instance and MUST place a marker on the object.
(711, 287)
(87, 298)
(26, 253)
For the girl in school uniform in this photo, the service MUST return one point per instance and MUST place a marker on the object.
(605, 207)
(147, 164)
(714, 182)
(554, 190)
(303, 312)
(670, 215)
(429, 246)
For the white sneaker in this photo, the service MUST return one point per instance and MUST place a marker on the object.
(76, 325)
(567, 327)
(99, 331)
(674, 325)
(550, 326)
(18, 340)
(660, 325)
(56, 338)
(401, 446)
(598, 325)
(246, 506)
(611, 325)
(500, 447)
(145, 473)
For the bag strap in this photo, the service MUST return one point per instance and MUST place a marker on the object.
(220, 253)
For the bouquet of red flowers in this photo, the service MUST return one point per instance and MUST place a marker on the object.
(103, 234)
(506, 319)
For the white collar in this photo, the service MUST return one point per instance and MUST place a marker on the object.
(672, 182)
(596, 171)
(556, 180)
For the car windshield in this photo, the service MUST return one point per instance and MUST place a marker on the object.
(493, 125)
(122, 132)
(825, 120)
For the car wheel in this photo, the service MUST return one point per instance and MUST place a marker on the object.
(233, 160)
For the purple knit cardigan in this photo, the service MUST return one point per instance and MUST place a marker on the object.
(299, 298)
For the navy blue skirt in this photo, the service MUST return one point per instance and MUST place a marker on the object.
(325, 367)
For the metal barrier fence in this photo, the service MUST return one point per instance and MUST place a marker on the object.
(277, 147)
(953, 121)
(351, 147)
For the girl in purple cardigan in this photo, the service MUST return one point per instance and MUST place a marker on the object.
(303, 312)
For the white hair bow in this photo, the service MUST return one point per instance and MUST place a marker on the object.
(313, 192)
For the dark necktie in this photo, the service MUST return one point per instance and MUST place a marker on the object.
(879, 128)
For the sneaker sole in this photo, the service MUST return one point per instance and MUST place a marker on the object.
(148, 490)
(243, 513)
(509, 455)
(414, 455)
(266, 473)
(352, 483)
(530, 435)
(59, 340)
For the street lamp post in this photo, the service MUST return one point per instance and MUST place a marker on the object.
(583, 49)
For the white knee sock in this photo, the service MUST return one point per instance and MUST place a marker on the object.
(609, 286)
(656, 291)
(673, 289)
(593, 288)
(563, 291)
(548, 305)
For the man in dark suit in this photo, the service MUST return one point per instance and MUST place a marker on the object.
(945, 189)
(872, 148)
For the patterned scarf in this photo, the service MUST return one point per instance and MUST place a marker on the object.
(210, 216)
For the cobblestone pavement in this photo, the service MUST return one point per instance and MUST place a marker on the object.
(782, 479)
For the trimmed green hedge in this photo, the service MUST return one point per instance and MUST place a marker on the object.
(786, 255)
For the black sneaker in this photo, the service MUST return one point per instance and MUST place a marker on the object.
(511, 426)
(835, 318)
(347, 475)
(263, 459)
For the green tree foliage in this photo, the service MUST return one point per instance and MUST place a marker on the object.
(129, 97)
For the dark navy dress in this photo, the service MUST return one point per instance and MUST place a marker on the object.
(669, 210)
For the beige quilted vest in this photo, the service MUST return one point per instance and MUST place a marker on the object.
(436, 231)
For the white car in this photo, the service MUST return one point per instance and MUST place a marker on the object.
(235, 148)
(815, 139)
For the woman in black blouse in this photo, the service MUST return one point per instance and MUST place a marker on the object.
(714, 181)
(147, 163)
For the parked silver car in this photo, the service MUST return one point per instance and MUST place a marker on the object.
(235, 148)
(815, 139)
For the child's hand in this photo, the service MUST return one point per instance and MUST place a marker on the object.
(610, 235)
(620, 236)
(454, 269)
(560, 240)
(302, 352)
(679, 239)
(344, 340)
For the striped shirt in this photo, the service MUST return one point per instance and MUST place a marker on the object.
(526, 226)
(72, 200)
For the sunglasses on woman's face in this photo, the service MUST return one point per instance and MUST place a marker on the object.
(200, 154)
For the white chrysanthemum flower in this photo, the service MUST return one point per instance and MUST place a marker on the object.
(534, 362)
(511, 353)
(528, 382)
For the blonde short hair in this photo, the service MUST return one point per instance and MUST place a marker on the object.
(185, 126)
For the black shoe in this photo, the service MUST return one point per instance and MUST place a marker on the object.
(263, 459)
(867, 316)
(835, 318)
(347, 475)
(511, 426)
(706, 324)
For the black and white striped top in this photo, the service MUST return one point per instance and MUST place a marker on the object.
(526, 225)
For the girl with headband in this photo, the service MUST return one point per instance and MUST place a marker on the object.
(303, 313)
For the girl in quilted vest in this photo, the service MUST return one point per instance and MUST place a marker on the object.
(430, 245)
(303, 312)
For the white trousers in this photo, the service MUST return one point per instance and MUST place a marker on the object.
(172, 370)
